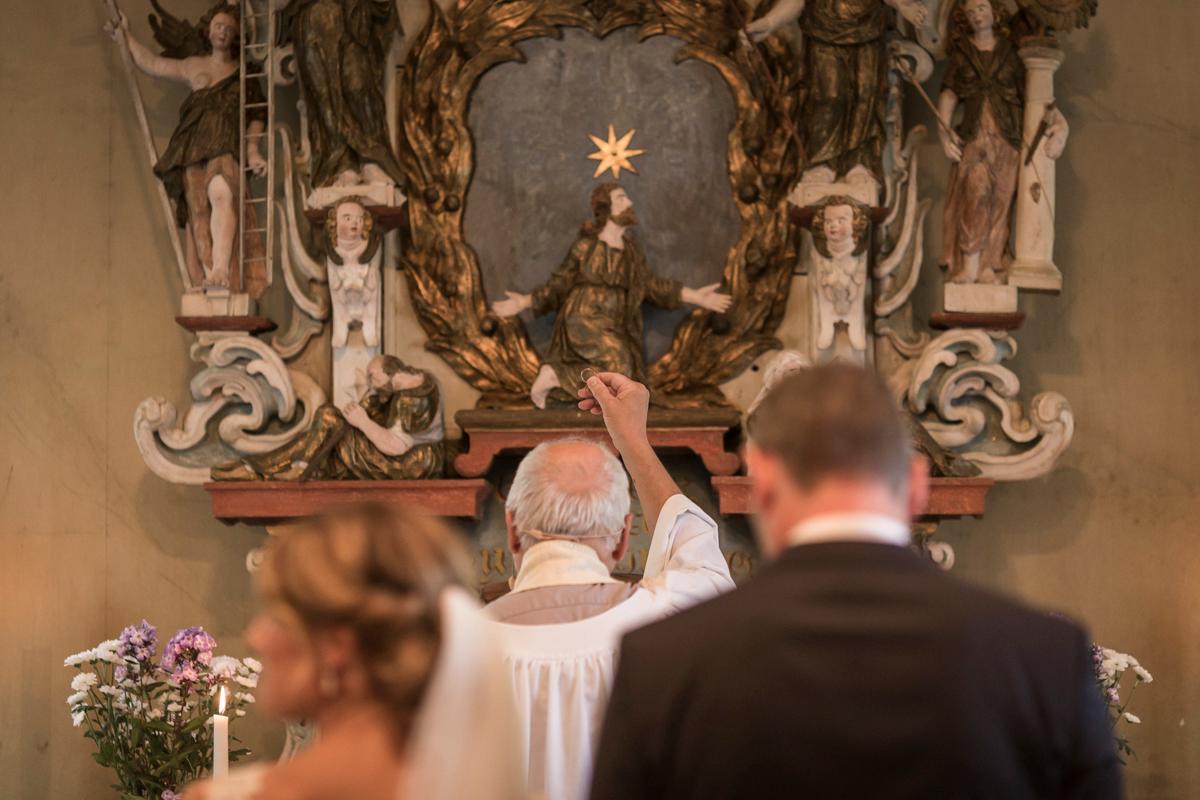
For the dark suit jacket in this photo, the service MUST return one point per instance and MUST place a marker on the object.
(856, 670)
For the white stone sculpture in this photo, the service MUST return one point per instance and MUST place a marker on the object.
(354, 291)
(961, 378)
(838, 278)
(244, 386)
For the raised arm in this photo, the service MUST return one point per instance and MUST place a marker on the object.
(625, 404)
(145, 60)
(546, 298)
(685, 560)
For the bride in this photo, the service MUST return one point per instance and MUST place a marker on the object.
(367, 632)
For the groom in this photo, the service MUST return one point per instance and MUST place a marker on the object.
(598, 294)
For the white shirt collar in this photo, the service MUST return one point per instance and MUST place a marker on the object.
(851, 527)
(559, 562)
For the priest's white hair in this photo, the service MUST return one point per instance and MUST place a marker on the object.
(566, 497)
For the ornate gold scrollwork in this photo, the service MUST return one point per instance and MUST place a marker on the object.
(436, 153)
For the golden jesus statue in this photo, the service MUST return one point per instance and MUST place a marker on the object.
(597, 294)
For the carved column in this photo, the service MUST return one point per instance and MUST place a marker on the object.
(1033, 267)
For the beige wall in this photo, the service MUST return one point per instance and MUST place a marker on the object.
(92, 541)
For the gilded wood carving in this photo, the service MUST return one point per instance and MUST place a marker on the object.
(436, 154)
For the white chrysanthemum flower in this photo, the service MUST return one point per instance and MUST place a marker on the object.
(78, 717)
(254, 664)
(249, 683)
(1132, 719)
(240, 713)
(1143, 674)
(107, 651)
(84, 681)
(245, 697)
(225, 666)
(111, 691)
(154, 713)
(77, 698)
(174, 707)
(79, 658)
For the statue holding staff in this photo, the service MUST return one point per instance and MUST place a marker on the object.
(199, 168)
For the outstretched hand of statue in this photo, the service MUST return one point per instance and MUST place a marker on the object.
(708, 297)
(512, 304)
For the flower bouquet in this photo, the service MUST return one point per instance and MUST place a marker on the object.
(1110, 667)
(151, 720)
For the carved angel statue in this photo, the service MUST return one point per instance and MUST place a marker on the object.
(353, 271)
(840, 230)
(341, 50)
(844, 80)
(597, 295)
(986, 78)
(394, 433)
(200, 168)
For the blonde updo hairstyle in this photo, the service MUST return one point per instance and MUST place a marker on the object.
(379, 572)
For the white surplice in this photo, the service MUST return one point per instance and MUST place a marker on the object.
(562, 673)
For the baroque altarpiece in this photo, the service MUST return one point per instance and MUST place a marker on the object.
(404, 231)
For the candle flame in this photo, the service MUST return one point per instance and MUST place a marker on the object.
(221, 703)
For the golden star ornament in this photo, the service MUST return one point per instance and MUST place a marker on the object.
(614, 154)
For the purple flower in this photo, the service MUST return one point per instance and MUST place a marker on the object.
(1112, 697)
(188, 649)
(138, 641)
(168, 795)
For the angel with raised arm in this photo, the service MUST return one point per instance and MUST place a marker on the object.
(200, 168)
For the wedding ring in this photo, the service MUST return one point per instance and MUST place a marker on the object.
(588, 373)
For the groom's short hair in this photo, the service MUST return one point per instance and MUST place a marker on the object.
(833, 420)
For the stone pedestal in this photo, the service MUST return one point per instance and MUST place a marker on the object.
(215, 303)
(1034, 268)
(980, 298)
(487, 434)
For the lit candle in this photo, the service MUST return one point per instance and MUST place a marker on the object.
(220, 766)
